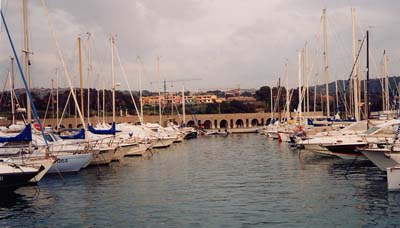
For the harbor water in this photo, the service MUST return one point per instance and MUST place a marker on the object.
(216, 181)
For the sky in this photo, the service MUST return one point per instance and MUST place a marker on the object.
(222, 44)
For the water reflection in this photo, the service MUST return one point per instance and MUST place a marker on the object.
(234, 181)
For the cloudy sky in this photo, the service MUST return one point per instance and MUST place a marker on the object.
(225, 43)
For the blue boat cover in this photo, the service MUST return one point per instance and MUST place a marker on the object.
(80, 135)
(23, 136)
(110, 131)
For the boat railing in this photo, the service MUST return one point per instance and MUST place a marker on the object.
(104, 141)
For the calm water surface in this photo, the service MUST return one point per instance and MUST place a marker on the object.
(234, 181)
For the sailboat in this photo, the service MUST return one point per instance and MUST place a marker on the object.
(31, 168)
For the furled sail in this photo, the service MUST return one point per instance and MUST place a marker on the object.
(79, 135)
(23, 136)
(110, 131)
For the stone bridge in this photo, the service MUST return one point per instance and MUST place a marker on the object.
(236, 120)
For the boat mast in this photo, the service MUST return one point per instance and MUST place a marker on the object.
(316, 78)
(337, 95)
(386, 80)
(272, 103)
(89, 68)
(299, 77)
(183, 105)
(359, 80)
(98, 106)
(52, 98)
(113, 78)
(80, 73)
(104, 103)
(367, 82)
(306, 59)
(356, 75)
(27, 64)
(159, 89)
(287, 91)
(57, 98)
(326, 62)
(12, 90)
(140, 88)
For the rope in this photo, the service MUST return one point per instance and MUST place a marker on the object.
(4, 87)
(129, 87)
(60, 55)
(36, 115)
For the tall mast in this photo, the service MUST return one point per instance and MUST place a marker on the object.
(272, 103)
(386, 79)
(159, 89)
(98, 106)
(12, 90)
(80, 73)
(183, 105)
(113, 78)
(26, 64)
(356, 75)
(326, 62)
(89, 68)
(306, 59)
(287, 91)
(337, 95)
(316, 77)
(300, 53)
(104, 103)
(367, 83)
(57, 98)
(27, 61)
(359, 68)
(52, 98)
(140, 87)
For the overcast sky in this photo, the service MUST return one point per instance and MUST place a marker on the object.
(225, 43)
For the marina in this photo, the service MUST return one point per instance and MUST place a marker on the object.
(106, 133)
(211, 182)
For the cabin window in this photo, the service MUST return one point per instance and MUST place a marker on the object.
(48, 137)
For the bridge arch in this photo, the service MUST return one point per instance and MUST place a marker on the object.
(268, 121)
(207, 124)
(239, 123)
(223, 124)
(254, 122)
(191, 123)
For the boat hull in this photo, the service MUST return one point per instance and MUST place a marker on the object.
(12, 178)
(104, 157)
(70, 163)
(379, 157)
(138, 150)
(163, 142)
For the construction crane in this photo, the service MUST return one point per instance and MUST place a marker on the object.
(177, 80)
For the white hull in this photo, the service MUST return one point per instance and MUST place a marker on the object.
(104, 157)
(70, 163)
(285, 137)
(121, 151)
(163, 142)
(380, 159)
(35, 161)
(319, 150)
(138, 150)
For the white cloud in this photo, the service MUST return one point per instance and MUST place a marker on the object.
(225, 42)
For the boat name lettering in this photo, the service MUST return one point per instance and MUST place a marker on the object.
(62, 160)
